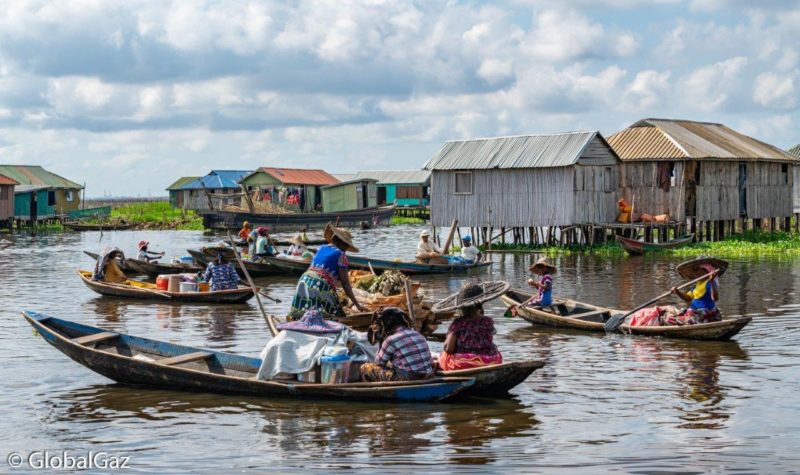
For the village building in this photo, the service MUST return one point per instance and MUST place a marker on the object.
(41, 195)
(703, 173)
(796, 193)
(292, 189)
(177, 196)
(404, 187)
(7, 201)
(350, 195)
(218, 189)
(525, 183)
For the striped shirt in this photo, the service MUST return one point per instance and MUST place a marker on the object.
(407, 350)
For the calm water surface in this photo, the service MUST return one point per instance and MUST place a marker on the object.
(601, 403)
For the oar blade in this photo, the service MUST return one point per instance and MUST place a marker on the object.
(614, 322)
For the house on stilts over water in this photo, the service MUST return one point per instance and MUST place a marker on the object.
(539, 188)
(796, 193)
(708, 178)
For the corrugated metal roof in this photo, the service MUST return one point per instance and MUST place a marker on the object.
(4, 180)
(299, 176)
(217, 179)
(343, 176)
(523, 151)
(349, 182)
(795, 150)
(397, 177)
(36, 176)
(690, 140)
(180, 182)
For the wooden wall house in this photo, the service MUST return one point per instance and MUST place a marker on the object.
(41, 195)
(177, 195)
(7, 201)
(404, 187)
(701, 172)
(796, 185)
(293, 189)
(350, 195)
(527, 183)
(221, 185)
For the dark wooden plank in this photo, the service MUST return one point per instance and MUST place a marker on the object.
(95, 338)
(197, 355)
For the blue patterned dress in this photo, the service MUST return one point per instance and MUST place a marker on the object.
(317, 286)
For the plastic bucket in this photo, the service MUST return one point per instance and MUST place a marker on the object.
(202, 286)
(162, 282)
(188, 287)
(335, 369)
(174, 283)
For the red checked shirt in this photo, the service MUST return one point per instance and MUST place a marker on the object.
(407, 350)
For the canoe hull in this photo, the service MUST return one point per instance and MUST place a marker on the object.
(239, 295)
(255, 270)
(634, 247)
(411, 268)
(293, 222)
(723, 330)
(154, 269)
(97, 227)
(495, 380)
(222, 373)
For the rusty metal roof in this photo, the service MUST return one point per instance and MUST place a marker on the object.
(4, 180)
(795, 150)
(299, 176)
(522, 151)
(31, 176)
(663, 139)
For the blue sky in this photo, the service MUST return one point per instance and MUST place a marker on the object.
(128, 96)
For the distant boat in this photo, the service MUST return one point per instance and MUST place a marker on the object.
(97, 227)
(635, 247)
(213, 219)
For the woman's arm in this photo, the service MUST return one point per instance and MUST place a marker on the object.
(450, 343)
(344, 278)
(714, 290)
(683, 296)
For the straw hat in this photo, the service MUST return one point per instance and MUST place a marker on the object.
(541, 266)
(297, 239)
(332, 231)
(424, 233)
(471, 294)
(215, 250)
(312, 322)
(689, 269)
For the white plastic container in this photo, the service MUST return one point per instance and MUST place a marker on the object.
(335, 369)
(188, 287)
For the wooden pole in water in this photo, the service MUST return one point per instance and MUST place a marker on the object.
(273, 329)
(449, 241)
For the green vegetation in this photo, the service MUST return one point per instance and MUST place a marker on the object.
(749, 244)
(155, 215)
(406, 220)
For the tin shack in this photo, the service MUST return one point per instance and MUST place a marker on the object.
(218, 189)
(7, 201)
(41, 195)
(177, 195)
(405, 187)
(350, 195)
(292, 189)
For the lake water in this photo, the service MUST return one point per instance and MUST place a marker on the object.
(601, 403)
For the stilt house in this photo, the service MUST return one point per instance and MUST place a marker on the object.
(7, 201)
(177, 195)
(406, 187)
(525, 181)
(40, 194)
(796, 152)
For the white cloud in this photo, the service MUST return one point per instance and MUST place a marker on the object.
(774, 90)
(647, 90)
(709, 88)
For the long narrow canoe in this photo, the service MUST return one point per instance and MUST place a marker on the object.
(141, 361)
(584, 316)
(292, 222)
(288, 264)
(408, 268)
(125, 267)
(495, 380)
(635, 247)
(154, 269)
(97, 227)
(144, 291)
(255, 269)
(287, 243)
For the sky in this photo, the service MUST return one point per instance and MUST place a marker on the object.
(127, 96)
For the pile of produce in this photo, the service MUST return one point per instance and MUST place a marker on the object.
(389, 283)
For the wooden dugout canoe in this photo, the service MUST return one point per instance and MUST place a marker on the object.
(292, 222)
(154, 269)
(125, 267)
(634, 247)
(145, 291)
(495, 380)
(584, 316)
(254, 268)
(411, 268)
(97, 227)
(141, 361)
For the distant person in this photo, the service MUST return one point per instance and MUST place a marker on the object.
(264, 244)
(245, 231)
(146, 255)
(298, 247)
(469, 253)
(220, 274)
(543, 285)
(427, 249)
(403, 355)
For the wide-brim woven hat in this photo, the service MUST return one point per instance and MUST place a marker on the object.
(312, 322)
(473, 293)
(541, 266)
(298, 240)
(213, 251)
(689, 269)
(344, 235)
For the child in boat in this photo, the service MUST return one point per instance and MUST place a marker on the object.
(404, 354)
(543, 285)
(469, 342)
(145, 255)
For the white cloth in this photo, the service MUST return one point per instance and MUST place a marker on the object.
(470, 253)
(424, 248)
(296, 352)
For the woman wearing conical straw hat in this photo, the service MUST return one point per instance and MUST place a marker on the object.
(316, 288)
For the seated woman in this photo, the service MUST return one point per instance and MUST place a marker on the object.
(263, 244)
(245, 231)
(544, 285)
(317, 286)
(702, 299)
(109, 267)
(403, 355)
(298, 247)
(220, 274)
(469, 342)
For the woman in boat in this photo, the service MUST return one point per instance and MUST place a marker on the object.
(298, 247)
(244, 233)
(469, 342)
(109, 267)
(220, 274)
(146, 255)
(263, 244)
(317, 286)
(543, 285)
(403, 353)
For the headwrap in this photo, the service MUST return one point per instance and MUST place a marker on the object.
(384, 320)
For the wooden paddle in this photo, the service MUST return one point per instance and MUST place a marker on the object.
(616, 321)
(268, 318)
